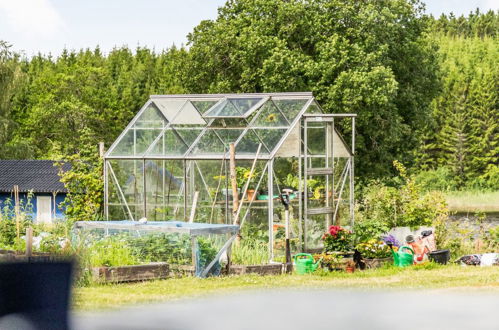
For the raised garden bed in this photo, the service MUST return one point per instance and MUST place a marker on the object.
(377, 262)
(158, 270)
(13, 256)
(268, 269)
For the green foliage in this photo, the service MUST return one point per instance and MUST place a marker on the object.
(358, 57)
(462, 134)
(476, 24)
(403, 206)
(366, 229)
(162, 247)
(8, 225)
(113, 251)
(440, 179)
(83, 182)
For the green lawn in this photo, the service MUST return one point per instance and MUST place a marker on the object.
(434, 277)
(472, 201)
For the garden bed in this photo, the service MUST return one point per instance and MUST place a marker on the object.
(13, 256)
(268, 269)
(157, 270)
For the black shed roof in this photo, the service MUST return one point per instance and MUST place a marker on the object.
(35, 175)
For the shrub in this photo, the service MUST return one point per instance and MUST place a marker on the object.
(406, 205)
(440, 179)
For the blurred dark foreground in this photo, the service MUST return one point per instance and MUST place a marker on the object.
(312, 309)
(35, 295)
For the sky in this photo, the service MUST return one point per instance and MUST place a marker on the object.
(49, 26)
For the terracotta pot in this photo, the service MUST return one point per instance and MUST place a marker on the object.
(250, 194)
(350, 269)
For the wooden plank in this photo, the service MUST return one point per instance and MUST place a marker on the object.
(29, 241)
(194, 205)
(269, 269)
(320, 210)
(320, 171)
(132, 273)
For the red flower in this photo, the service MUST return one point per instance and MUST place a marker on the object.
(334, 230)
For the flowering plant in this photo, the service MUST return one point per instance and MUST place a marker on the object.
(373, 248)
(337, 239)
(391, 239)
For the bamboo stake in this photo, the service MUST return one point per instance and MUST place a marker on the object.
(17, 211)
(194, 205)
(233, 181)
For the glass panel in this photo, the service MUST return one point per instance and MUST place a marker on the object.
(224, 109)
(249, 144)
(151, 118)
(169, 107)
(209, 143)
(135, 142)
(230, 123)
(188, 114)
(188, 135)
(129, 174)
(164, 179)
(140, 136)
(169, 144)
(245, 104)
(271, 137)
(229, 135)
(313, 108)
(204, 106)
(290, 108)
(270, 116)
(234, 107)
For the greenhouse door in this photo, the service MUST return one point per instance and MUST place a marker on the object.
(318, 183)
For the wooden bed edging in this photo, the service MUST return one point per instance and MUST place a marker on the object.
(158, 270)
(268, 269)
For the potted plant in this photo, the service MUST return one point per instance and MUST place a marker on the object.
(243, 174)
(350, 266)
(374, 252)
(338, 240)
(331, 262)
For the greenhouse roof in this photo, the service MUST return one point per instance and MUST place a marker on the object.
(201, 126)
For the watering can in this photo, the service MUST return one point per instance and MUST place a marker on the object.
(304, 263)
(402, 258)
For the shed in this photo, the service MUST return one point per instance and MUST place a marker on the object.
(41, 192)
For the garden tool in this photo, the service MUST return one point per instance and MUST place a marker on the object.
(401, 258)
(305, 263)
(285, 201)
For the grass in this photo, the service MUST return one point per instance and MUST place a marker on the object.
(429, 277)
(473, 201)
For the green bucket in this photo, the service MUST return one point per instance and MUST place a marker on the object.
(304, 263)
(403, 259)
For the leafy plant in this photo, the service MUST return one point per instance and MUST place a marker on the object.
(373, 248)
(337, 239)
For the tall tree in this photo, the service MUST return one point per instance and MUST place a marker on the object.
(371, 58)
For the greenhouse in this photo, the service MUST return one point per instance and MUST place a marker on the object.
(173, 162)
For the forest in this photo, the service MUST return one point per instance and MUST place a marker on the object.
(426, 90)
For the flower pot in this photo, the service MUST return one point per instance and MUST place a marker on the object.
(250, 194)
(350, 269)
